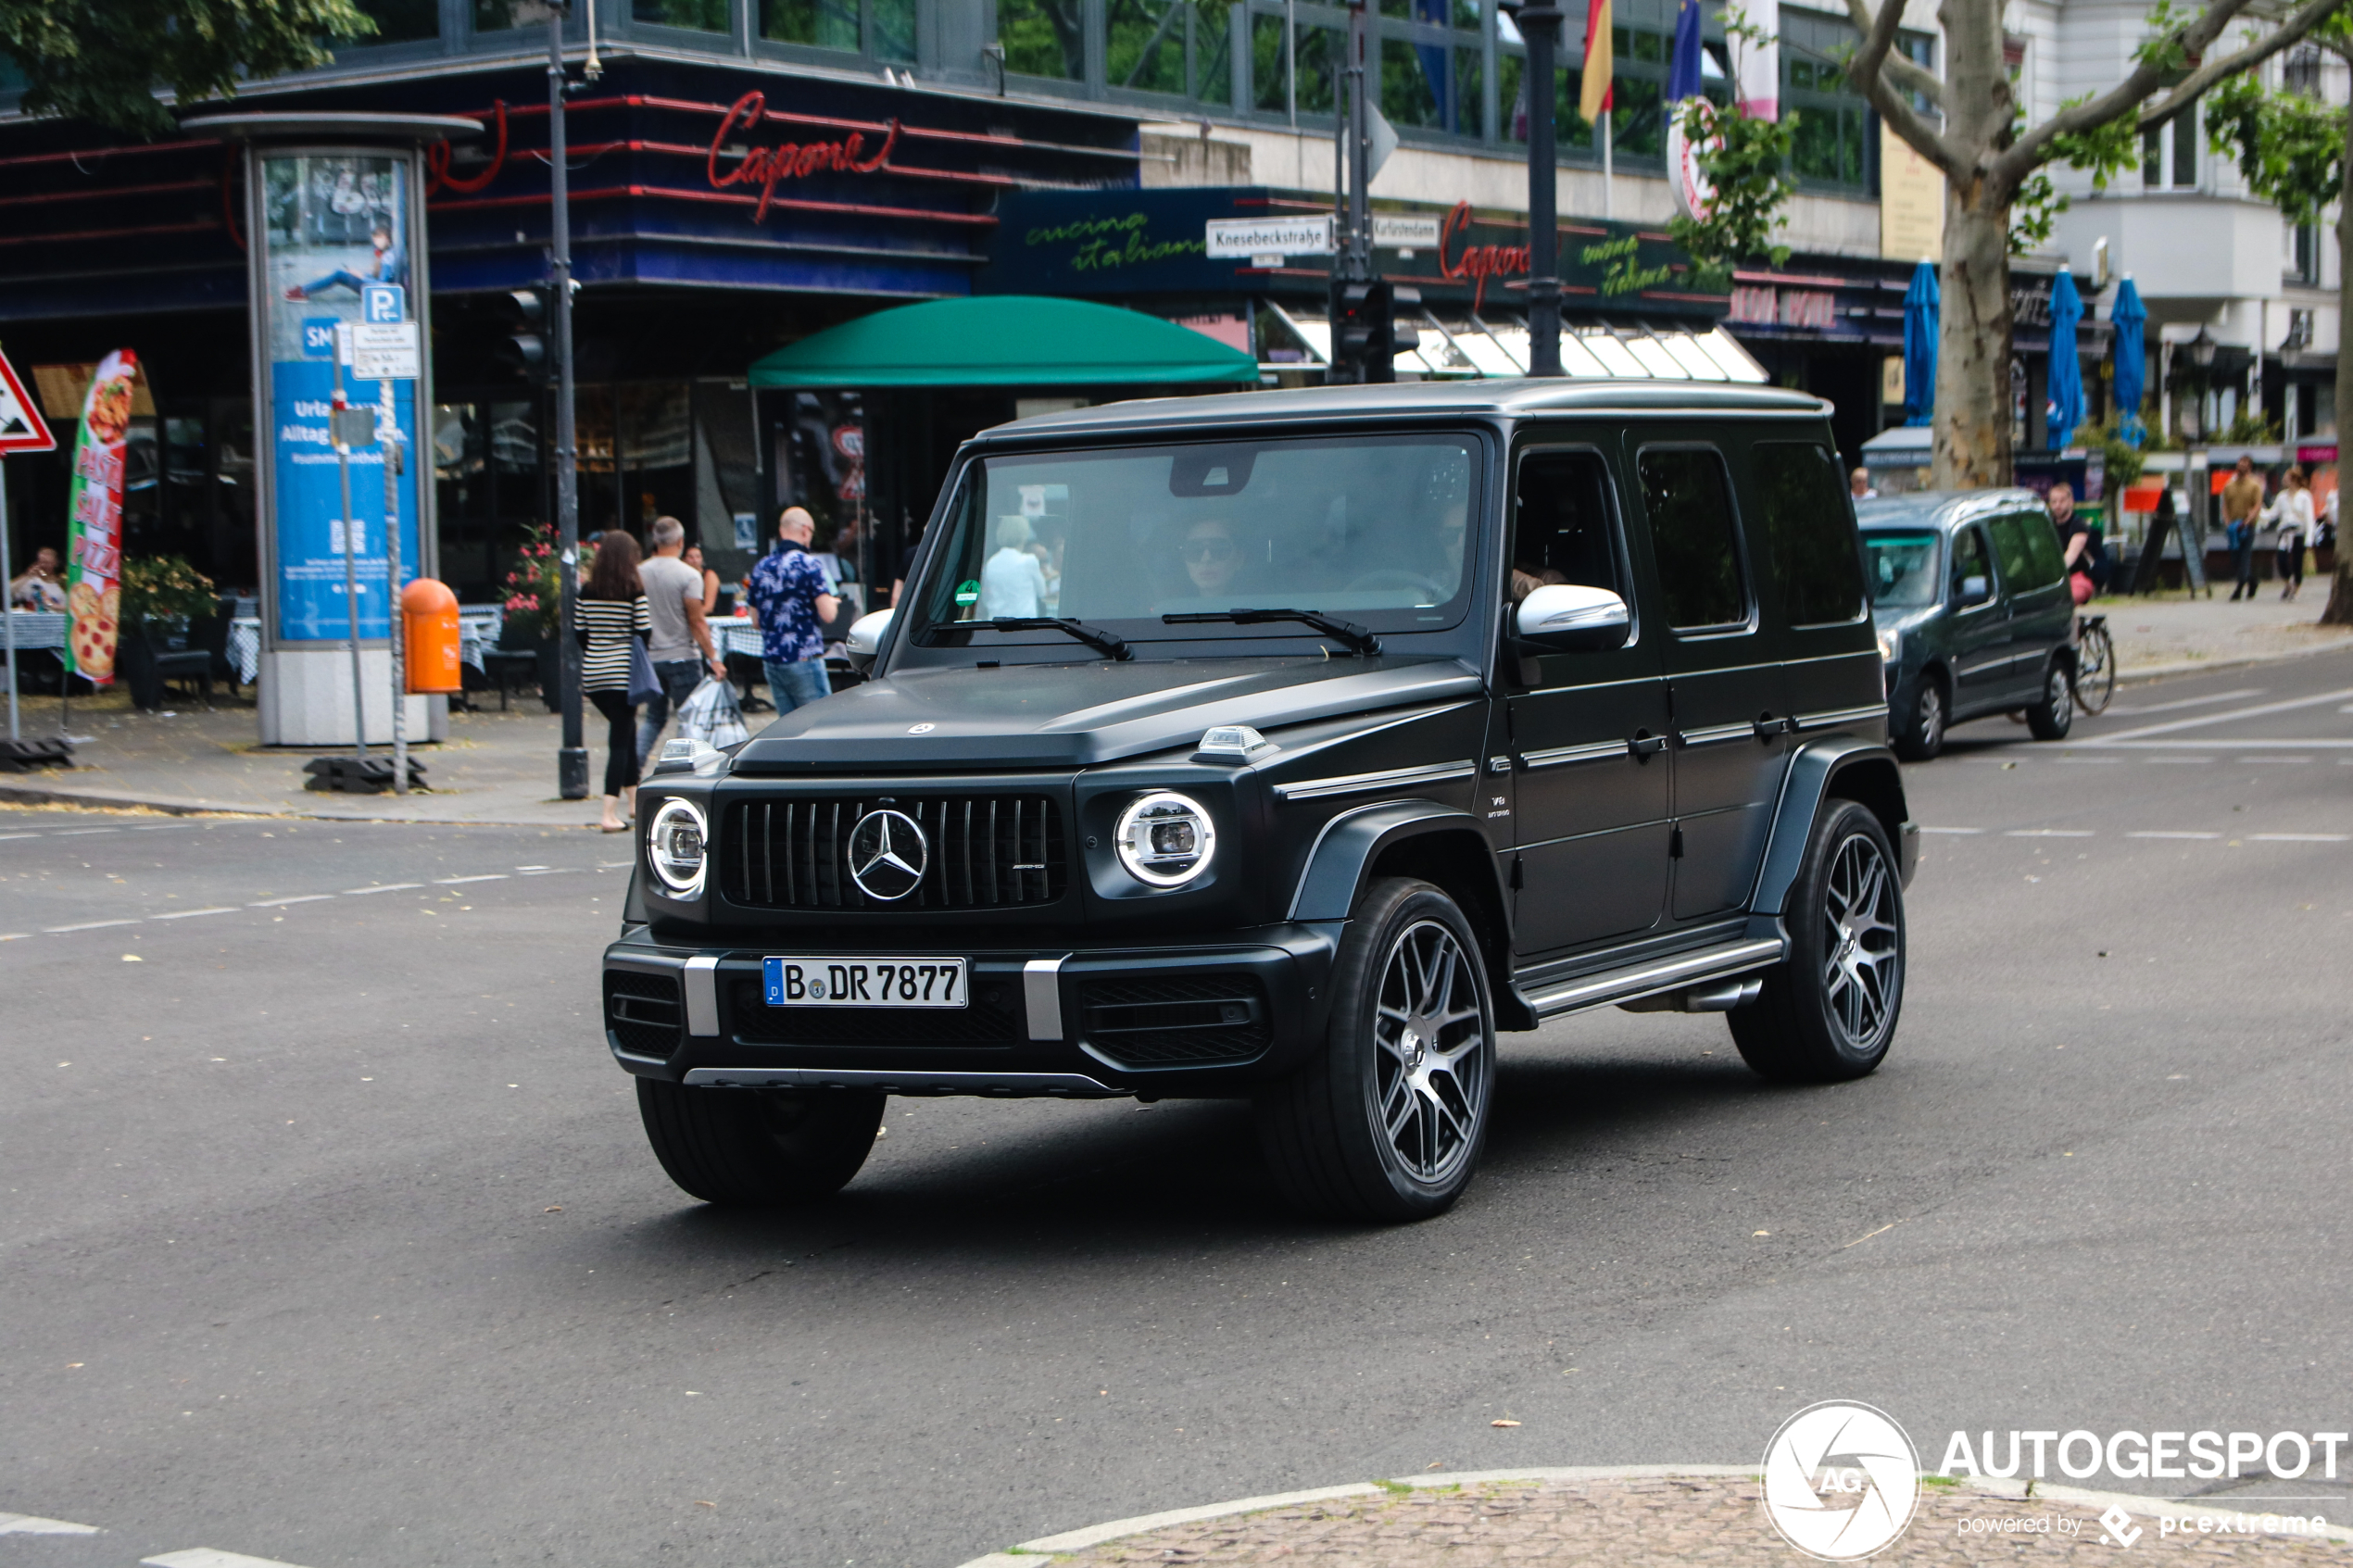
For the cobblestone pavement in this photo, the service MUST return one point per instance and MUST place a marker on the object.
(1666, 1521)
(2172, 632)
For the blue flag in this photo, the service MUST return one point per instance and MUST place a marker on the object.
(1683, 66)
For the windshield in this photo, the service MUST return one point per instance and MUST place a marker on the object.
(1903, 569)
(1370, 531)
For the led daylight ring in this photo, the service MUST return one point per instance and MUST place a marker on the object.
(677, 847)
(1166, 839)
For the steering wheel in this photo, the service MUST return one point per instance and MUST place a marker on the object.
(1393, 578)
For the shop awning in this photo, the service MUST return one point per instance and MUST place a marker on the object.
(1005, 340)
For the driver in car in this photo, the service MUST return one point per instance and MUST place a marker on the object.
(1211, 558)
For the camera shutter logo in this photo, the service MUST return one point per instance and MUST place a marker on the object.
(888, 854)
(1841, 1481)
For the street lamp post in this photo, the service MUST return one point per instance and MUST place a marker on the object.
(1539, 25)
(571, 761)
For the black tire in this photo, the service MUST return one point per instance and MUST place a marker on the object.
(1829, 1010)
(1919, 732)
(758, 1146)
(2050, 716)
(1388, 1120)
(2095, 670)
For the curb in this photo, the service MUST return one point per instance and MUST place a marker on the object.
(1025, 1554)
(13, 793)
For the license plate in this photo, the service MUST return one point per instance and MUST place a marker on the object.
(865, 983)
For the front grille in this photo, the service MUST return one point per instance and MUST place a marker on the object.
(643, 1011)
(1185, 1021)
(987, 851)
(993, 1018)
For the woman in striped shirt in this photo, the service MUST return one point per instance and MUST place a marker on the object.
(612, 613)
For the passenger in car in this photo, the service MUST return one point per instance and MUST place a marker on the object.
(1012, 581)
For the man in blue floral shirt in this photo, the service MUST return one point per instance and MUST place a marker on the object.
(792, 604)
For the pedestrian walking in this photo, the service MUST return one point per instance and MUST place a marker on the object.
(792, 603)
(679, 643)
(610, 619)
(2293, 512)
(2241, 507)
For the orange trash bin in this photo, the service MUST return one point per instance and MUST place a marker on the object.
(430, 613)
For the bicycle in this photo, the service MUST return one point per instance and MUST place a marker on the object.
(2094, 678)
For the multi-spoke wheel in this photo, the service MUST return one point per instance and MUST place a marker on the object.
(1387, 1121)
(2051, 715)
(1920, 733)
(1829, 1010)
(2095, 666)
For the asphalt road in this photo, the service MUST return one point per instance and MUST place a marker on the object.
(328, 1232)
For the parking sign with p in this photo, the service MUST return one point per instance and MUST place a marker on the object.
(382, 305)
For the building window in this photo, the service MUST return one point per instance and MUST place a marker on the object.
(821, 24)
(1044, 37)
(2301, 73)
(1835, 129)
(696, 16)
(401, 21)
(2168, 152)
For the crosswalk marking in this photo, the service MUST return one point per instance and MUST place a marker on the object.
(209, 1556)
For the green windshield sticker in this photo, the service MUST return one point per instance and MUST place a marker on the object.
(968, 591)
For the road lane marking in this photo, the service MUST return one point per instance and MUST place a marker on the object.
(298, 898)
(2301, 837)
(2094, 761)
(2270, 759)
(2158, 761)
(32, 1524)
(2173, 835)
(2223, 745)
(453, 880)
(85, 925)
(191, 914)
(552, 870)
(382, 888)
(2192, 702)
(77, 832)
(209, 1556)
(6, 836)
(1953, 830)
(2255, 712)
(2049, 832)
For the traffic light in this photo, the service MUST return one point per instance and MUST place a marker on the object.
(1366, 335)
(525, 350)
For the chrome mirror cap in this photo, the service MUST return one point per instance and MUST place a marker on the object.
(1574, 616)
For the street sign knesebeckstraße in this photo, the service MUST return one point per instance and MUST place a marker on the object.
(1240, 238)
(21, 428)
(386, 352)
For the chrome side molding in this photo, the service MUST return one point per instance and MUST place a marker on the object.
(1635, 982)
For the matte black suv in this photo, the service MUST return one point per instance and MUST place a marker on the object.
(1289, 746)
(1970, 592)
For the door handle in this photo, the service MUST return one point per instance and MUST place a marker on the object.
(1767, 726)
(1643, 745)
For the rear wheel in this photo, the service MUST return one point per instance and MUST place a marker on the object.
(1919, 732)
(2095, 670)
(1388, 1120)
(1828, 1012)
(758, 1146)
(2052, 714)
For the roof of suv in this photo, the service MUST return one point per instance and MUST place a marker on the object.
(1941, 508)
(1514, 397)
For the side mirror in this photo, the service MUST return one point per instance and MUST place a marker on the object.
(865, 638)
(1975, 591)
(1573, 618)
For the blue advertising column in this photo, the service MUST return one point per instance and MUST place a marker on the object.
(335, 237)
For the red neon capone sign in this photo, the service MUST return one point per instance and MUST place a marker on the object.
(1476, 262)
(765, 166)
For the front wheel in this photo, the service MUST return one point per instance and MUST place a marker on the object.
(1828, 1012)
(758, 1146)
(2052, 714)
(2095, 670)
(1387, 1121)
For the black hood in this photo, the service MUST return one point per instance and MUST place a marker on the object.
(1073, 715)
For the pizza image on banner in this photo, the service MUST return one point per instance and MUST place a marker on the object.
(93, 521)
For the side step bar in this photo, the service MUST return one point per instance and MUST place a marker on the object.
(1677, 973)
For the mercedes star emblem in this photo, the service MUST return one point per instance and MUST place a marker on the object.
(888, 854)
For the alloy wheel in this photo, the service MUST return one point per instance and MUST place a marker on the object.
(1932, 730)
(1860, 970)
(1431, 1067)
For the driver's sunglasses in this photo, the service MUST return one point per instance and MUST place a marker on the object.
(1200, 552)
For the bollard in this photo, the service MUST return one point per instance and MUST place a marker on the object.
(430, 611)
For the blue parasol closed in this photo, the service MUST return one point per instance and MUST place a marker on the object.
(2132, 357)
(2067, 370)
(1922, 304)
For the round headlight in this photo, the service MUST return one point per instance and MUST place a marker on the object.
(1166, 839)
(674, 848)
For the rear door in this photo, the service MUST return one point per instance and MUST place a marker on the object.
(1723, 674)
(1832, 677)
(1588, 731)
(1979, 638)
(2035, 584)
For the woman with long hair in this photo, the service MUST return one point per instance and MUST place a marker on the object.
(613, 613)
(2293, 512)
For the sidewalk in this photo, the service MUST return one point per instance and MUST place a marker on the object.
(501, 767)
(494, 767)
(1654, 1514)
(2170, 633)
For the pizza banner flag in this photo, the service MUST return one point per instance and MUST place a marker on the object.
(94, 521)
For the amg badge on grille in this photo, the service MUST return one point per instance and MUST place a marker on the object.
(888, 853)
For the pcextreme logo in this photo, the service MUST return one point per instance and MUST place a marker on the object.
(1841, 1481)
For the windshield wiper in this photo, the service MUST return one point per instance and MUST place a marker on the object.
(1109, 645)
(1359, 639)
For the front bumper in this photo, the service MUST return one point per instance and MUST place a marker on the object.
(1187, 1018)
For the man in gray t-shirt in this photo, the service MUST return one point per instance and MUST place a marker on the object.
(673, 604)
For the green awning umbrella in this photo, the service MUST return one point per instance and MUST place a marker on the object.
(1005, 340)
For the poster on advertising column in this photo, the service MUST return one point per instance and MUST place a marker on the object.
(335, 228)
(93, 521)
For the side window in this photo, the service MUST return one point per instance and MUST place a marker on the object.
(1811, 531)
(1969, 558)
(2015, 556)
(1567, 527)
(1693, 536)
(2042, 546)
